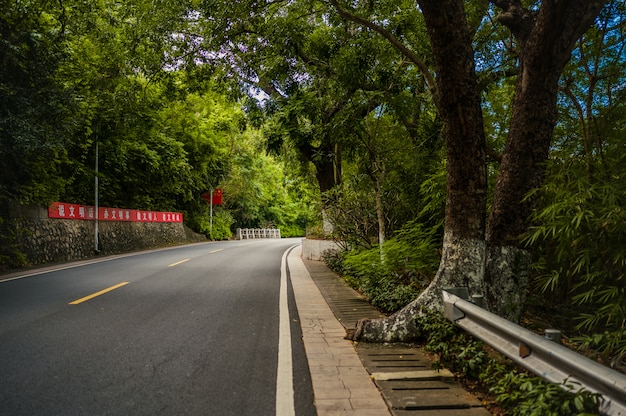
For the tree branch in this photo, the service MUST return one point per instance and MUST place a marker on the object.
(514, 16)
(493, 154)
(395, 42)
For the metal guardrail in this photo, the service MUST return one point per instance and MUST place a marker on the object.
(250, 233)
(540, 355)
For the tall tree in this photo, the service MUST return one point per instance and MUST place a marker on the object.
(487, 258)
(545, 39)
(579, 224)
(310, 67)
(34, 110)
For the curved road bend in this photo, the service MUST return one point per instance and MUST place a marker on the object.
(191, 330)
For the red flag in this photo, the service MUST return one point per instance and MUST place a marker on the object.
(215, 199)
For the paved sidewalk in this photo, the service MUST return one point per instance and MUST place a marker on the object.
(353, 379)
(341, 385)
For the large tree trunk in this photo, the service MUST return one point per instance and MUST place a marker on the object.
(462, 265)
(491, 264)
(545, 41)
(327, 161)
(458, 101)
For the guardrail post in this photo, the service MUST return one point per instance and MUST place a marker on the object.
(478, 300)
(451, 312)
(553, 335)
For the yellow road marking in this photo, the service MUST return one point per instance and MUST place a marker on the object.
(93, 295)
(177, 263)
(215, 251)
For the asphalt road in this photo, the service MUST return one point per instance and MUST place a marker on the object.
(191, 330)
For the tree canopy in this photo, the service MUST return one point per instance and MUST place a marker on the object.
(484, 134)
(75, 74)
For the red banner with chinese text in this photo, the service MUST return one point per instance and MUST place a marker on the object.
(67, 211)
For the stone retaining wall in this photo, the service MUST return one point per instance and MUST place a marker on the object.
(313, 249)
(42, 240)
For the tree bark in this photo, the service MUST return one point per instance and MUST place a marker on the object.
(462, 265)
(328, 174)
(380, 213)
(458, 103)
(545, 41)
(490, 261)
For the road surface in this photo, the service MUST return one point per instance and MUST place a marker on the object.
(191, 330)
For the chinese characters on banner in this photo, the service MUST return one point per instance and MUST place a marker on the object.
(84, 212)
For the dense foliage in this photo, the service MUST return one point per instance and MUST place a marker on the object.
(76, 76)
(501, 384)
(392, 276)
(578, 225)
(297, 112)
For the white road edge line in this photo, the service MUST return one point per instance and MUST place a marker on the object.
(284, 376)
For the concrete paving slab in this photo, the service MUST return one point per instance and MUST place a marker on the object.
(414, 375)
(402, 374)
(453, 397)
(341, 385)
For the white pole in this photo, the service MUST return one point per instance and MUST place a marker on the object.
(211, 211)
(96, 242)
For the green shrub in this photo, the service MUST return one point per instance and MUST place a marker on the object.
(10, 255)
(518, 393)
(580, 232)
(392, 277)
(608, 347)
(222, 220)
(334, 259)
(316, 232)
(452, 347)
(414, 251)
(291, 230)
(524, 395)
(387, 290)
